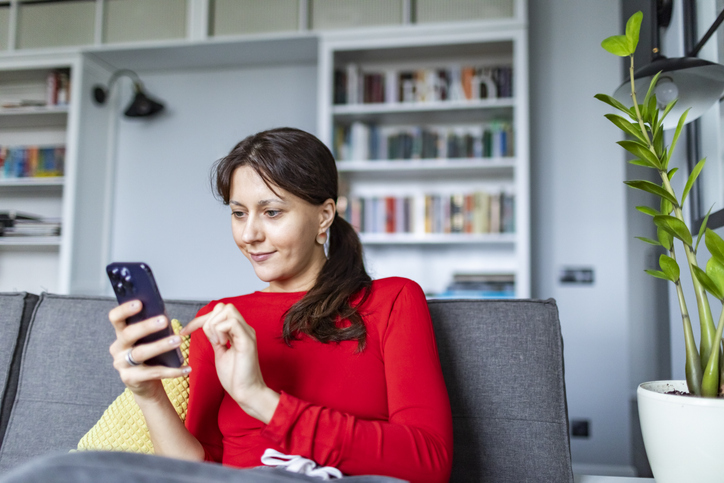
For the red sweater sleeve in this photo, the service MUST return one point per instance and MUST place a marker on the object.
(415, 444)
(205, 396)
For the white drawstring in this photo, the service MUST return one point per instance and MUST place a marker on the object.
(297, 464)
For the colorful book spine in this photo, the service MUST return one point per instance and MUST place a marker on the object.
(31, 161)
(388, 214)
(354, 85)
(360, 141)
(478, 212)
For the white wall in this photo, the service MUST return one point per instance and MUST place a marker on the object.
(579, 217)
(164, 211)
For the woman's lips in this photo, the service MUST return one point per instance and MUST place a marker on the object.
(260, 257)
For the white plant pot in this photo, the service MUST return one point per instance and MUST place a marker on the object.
(683, 435)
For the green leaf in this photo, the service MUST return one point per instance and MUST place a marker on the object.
(638, 162)
(682, 121)
(702, 228)
(617, 45)
(715, 271)
(633, 27)
(658, 274)
(652, 188)
(649, 240)
(613, 102)
(674, 226)
(669, 106)
(669, 267)
(651, 110)
(692, 177)
(652, 85)
(658, 143)
(648, 211)
(641, 152)
(666, 207)
(706, 282)
(715, 245)
(672, 173)
(665, 238)
(627, 127)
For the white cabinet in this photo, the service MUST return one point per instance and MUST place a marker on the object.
(430, 130)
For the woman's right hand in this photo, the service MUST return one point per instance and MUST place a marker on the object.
(144, 381)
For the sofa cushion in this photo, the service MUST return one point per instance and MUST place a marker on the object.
(15, 312)
(67, 379)
(503, 367)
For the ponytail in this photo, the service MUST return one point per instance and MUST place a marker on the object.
(342, 276)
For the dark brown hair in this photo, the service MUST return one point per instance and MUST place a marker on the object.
(302, 165)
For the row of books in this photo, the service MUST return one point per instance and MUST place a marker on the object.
(360, 141)
(388, 214)
(57, 92)
(32, 161)
(482, 285)
(478, 212)
(454, 83)
(14, 224)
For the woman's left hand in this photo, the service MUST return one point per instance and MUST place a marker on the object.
(237, 360)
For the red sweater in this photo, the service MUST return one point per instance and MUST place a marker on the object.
(384, 411)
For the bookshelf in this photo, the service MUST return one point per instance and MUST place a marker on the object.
(443, 116)
(34, 114)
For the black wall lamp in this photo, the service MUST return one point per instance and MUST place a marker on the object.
(141, 106)
(697, 83)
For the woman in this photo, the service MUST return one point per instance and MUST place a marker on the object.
(323, 363)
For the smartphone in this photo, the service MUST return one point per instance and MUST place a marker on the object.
(134, 281)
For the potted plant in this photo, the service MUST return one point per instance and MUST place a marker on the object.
(682, 421)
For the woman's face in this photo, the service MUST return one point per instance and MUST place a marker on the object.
(277, 232)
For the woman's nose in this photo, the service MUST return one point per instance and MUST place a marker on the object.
(252, 230)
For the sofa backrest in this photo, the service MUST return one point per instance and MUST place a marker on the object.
(503, 367)
(502, 362)
(66, 376)
(15, 312)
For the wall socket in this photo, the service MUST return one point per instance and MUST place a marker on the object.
(580, 428)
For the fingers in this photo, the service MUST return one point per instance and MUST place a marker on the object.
(129, 335)
(118, 315)
(144, 352)
(227, 325)
(199, 322)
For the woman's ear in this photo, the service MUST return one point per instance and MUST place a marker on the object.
(326, 214)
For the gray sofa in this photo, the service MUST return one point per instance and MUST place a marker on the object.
(502, 361)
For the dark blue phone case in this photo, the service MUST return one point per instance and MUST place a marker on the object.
(134, 281)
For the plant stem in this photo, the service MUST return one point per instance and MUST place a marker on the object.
(710, 379)
(692, 367)
(706, 321)
(636, 104)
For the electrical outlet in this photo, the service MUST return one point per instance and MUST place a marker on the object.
(580, 428)
(581, 275)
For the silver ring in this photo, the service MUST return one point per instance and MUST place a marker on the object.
(131, 361)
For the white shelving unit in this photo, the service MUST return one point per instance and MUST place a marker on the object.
(432, 259)
(34, 263)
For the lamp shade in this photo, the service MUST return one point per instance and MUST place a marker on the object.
(697, 83)
(143, 106)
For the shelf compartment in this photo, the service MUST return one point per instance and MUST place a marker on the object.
(437, 238)
(30, 117)
(419, 168)
(30, 241)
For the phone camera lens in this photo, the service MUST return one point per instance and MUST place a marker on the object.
(120, 289)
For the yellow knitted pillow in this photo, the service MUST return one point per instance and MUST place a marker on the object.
(122, 426)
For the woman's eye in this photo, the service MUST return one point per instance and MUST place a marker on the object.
(272, 213)
(237, 214)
